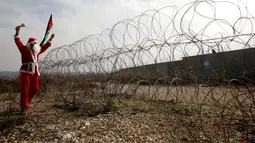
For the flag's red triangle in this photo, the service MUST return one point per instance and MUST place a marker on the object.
(50, 24)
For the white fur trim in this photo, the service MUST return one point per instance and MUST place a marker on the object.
(33, 42)
(25, 71)
(29, 63)
(16, 36)
(35, 69)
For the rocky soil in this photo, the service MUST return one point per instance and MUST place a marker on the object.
(45, 123)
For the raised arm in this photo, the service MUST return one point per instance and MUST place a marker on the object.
(47, 44)
(17, 37)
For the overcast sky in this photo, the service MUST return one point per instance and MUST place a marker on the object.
(73, 20)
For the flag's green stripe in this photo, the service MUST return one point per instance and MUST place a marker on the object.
(45, 38)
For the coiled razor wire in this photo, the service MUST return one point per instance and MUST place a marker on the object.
(149, 55)
(158, 36)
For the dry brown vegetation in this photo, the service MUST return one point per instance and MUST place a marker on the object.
(128, 84)
(81, 111)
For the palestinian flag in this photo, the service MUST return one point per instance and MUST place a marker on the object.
(47, 32)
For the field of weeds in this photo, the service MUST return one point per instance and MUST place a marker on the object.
(81, 111)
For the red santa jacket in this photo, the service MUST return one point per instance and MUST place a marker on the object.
(29, 57)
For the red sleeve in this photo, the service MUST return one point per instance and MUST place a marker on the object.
(45, 47)
(19, 43)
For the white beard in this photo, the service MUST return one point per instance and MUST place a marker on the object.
(36, 48)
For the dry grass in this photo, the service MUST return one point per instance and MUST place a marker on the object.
(171, 113)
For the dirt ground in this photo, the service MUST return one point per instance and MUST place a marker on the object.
(133, 121)
(44, 123)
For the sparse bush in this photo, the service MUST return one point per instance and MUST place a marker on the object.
(8, 84)
(11, 118)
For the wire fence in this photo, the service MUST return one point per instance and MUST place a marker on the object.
(194, 64)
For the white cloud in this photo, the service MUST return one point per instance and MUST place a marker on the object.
(73, 20)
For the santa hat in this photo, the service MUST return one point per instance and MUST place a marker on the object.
(32, 41)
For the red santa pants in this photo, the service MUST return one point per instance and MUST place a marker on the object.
(29, 85)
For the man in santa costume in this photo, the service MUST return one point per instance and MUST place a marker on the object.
(29, 71)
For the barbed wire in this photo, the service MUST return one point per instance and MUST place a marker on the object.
(192, 58)
(154, 36)
(148, 54)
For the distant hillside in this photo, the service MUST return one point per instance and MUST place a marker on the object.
(9, 74)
